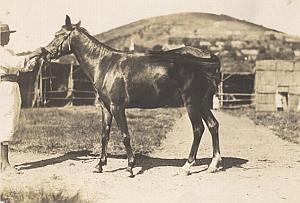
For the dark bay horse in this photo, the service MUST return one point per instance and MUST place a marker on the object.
(144, 80)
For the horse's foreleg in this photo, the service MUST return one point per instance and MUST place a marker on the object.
(193, 110)
(213, 126)
(120, 117)
(106, 125)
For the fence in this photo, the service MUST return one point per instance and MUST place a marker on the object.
(235, 100)
(60, 84)
(236, 90)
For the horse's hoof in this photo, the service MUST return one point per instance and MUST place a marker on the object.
(99, 169)
(186, 168)
(215, 165)
(186, 172)
(130, 172)
(214, 169)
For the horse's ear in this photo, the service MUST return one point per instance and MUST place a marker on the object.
(78, 24)
(68, 21)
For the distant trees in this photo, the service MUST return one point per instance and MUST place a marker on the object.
(269, 46)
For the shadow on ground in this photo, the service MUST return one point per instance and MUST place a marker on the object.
(144, 161)
(73, 155)
(147, 162)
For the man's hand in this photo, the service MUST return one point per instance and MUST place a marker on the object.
(39, 53)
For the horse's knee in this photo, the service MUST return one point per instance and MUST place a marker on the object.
(106, 130)
(213, 126)
(198, 131)
(126, 140)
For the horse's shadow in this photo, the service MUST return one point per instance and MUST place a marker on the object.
(145, 162)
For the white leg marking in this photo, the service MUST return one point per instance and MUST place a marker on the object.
(187, 166)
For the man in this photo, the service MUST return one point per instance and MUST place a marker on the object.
(10, 99)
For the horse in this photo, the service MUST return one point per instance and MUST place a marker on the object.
(144, 80)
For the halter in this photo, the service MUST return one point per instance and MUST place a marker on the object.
(67, 37)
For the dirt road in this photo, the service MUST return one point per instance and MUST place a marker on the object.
(259, 167)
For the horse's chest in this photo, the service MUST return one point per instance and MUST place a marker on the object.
(113, 88)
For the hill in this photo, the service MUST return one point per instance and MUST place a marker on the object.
(239, 43)
(158, 30)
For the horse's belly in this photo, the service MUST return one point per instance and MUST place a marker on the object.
(152, 94)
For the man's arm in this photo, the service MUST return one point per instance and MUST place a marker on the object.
(9, 60)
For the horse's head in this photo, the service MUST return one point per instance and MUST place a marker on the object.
(61, 44)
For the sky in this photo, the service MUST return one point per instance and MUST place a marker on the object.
(36, 21)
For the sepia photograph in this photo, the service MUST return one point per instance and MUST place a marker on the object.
(149, 101)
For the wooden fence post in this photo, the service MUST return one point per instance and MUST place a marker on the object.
(37, 87)
(221, 91)
(70, 91)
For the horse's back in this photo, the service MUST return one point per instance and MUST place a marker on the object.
(155, 80)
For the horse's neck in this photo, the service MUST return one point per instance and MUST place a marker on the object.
(89, 54)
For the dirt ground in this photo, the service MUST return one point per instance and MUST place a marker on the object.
(258, 167)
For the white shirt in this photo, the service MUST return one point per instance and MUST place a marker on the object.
(10, 98)
(10, 63)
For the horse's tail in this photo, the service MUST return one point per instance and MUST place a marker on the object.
(209, 65)
(214, 76)
(211, 70)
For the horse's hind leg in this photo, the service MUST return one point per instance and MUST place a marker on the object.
(193, 110)
(120, 117)
(106, 125)
(213, 127)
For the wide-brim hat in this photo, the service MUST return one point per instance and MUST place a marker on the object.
(4, 28)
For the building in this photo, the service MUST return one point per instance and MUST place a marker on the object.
(56, 84)
(250, 54)
(277, 85)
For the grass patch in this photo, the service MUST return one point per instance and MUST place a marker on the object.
(60, 130)
(37, 196)
(285, 125)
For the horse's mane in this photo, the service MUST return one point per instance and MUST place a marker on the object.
(96, 41)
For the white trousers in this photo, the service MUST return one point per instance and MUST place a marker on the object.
(10, 106)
